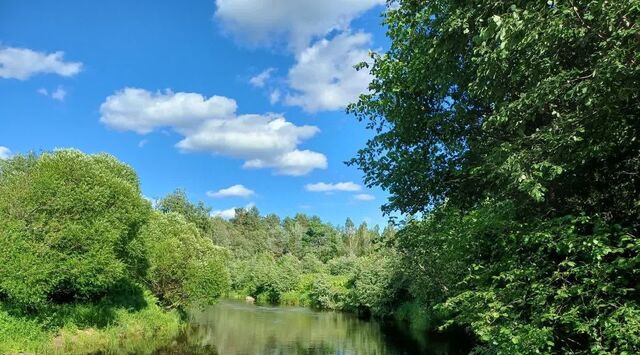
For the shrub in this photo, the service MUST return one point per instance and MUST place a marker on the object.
(66, 221)
(376, 283)
(184, 267)
(328, 292)
(342, 265)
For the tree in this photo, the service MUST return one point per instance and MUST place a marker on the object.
(528, 99)
(184, 267)
(197, 214)
(512, 128)
(67, 220)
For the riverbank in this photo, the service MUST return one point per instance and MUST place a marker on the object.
(138, 325)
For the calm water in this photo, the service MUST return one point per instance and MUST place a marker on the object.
(234, 327)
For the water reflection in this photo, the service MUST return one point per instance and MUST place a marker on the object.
(232, 328)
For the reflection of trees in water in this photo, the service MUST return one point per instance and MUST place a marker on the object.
(236, 328)
(240, 329)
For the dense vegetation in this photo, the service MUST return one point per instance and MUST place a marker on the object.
(300, 260)
(87, 264)
(85, 259)
(510, 131)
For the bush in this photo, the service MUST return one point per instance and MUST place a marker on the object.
(66, 221)
(342, 265)
(328, 292)
(376, 283)
(184, 267)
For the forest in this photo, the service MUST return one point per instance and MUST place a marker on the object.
(506, 134)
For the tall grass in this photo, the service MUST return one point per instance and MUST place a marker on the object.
(111, 325)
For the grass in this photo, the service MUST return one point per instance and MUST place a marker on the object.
(128, 322)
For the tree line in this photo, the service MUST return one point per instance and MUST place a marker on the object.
(297, 260)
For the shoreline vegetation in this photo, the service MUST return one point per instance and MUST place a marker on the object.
(89, 265)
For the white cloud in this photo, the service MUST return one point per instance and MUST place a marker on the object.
(340, 186)
(233, 191)
(295, 163)
(247, 136)
(141, 111)
(364, 197)
(324, 78)
(5, 153)
(260, 79)
(212, 125)
(274, 97)
(226, 214)
(295, 22)
(230, 212)
(59, 94)
(23, 63)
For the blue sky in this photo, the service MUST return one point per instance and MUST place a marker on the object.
(203, 95)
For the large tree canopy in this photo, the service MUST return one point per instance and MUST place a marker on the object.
(504, 98)
(66, 222)
(513, 127)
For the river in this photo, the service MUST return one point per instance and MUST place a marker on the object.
(234, 327)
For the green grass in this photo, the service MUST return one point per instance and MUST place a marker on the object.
(116, 324)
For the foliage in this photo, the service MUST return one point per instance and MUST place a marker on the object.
(184, 267)
(327, 292)
(377, 283)
(178, 202)
(296, 261)
(511, 129)
(78, 247)
(66, 220)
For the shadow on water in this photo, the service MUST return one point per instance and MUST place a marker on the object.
(232, 327)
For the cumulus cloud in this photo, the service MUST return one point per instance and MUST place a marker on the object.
(255, 136)
(23, 63)
(5, 153)
(318, 34)
(295, 163)
(260, 79)
(230, 212)
(232, 191)
(142, 111)
(297, 22)
(324, 78)
(340, 186)
(364, 197)
(212, 125)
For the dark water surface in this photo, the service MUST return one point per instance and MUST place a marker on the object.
(234, 327)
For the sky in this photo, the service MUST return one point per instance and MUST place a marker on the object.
(237, 102)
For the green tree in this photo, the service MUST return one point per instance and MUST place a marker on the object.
(512, 128)
(179, 203)
(67, 220)
(184, 267)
